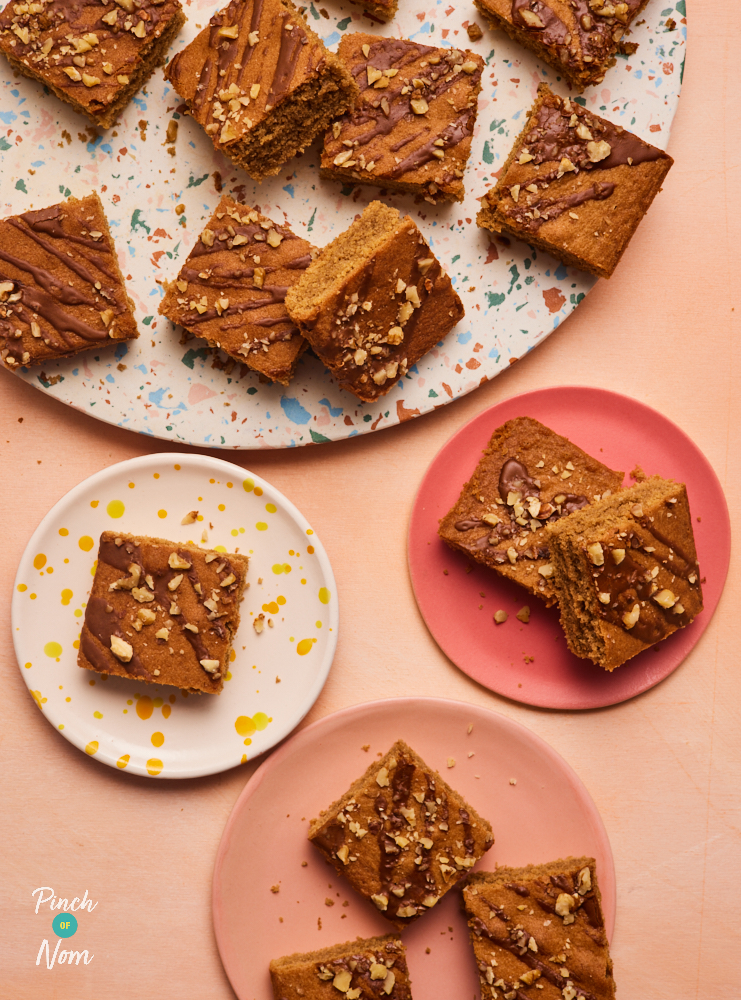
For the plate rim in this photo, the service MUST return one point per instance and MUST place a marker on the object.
(235, 471)
(283, 752)
(723, 516)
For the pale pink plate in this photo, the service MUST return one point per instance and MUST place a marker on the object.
(531, 663)
(547, 814)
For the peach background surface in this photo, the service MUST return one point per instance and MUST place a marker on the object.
(663, 769)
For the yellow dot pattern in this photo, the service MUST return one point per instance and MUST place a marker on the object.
(115, 508)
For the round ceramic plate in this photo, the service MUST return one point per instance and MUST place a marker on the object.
(531, 663)
(274, 678)
(514, 296)
(538, 807)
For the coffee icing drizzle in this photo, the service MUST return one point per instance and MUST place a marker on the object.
(387, 109)
(629, 582)
(514, 478)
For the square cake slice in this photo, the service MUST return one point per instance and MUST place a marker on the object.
(579, 38)
(261, 83)
(527, 477)
(401, 836)
(61, 289)
(358, 970)
(93, 55)
(412, 126)
(162, 612)
(374, 302)
(541, 926)
(574, 185)
(232, 287)
(626, 571)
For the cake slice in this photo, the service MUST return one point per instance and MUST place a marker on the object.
(374, 302)
(540, 926)
(528, 477)
(261, 83)
(93, 55)
(61, 289)
(364, 969)
(232, 287)
(162, 612)
(574, 185)
(401, 836)
(626, 571)
(579, 38)
(412, 127)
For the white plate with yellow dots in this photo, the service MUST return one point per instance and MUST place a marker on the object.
(273, 679)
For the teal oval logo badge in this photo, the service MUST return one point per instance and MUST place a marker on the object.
(64, 925)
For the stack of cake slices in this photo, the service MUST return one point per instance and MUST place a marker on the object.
(621, 563)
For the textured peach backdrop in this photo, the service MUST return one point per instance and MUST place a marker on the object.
(663, 769)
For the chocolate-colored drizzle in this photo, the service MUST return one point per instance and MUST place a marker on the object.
(521, 890)
(628, 583)
(290, 45)
(103, 624)
(554, 31)
(451, 135)
(515, 478)
(45, 305)
(49, 221)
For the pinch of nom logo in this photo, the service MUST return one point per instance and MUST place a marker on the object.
(64, 925)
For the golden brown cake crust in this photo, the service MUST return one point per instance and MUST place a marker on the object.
(261, 83)
(366, 969)
(411, 129)
(232, 287)
(540, 924)
(374, 302)
(574, 185)
(61, 289)
(162, 612)
(401, 810)
(626, 572)
(523, 460)
(579, 38)
(93, 55)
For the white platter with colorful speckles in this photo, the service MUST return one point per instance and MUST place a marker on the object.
(274, 678)
(514, 296)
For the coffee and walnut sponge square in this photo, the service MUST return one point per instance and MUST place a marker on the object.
(261, 83)
(374, 301)
(61, 289)
(574, 185)
(401, 836)
(93, 54)
(579, 38)
(539, 931)
(626, 575)
(231, 289)
(162, 612)
(370, 969)
(412, 125)
(527, 478)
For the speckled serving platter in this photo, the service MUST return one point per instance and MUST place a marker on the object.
(273, 679)
(514, 296)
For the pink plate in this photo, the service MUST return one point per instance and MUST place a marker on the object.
(547, 814)
(531, 663)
